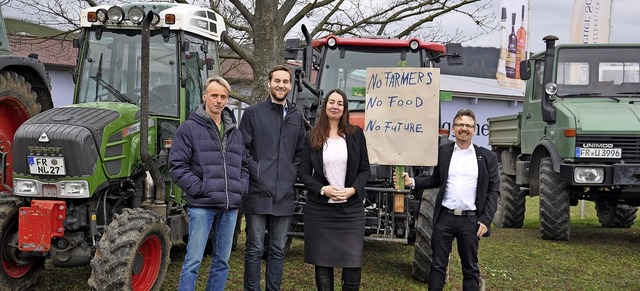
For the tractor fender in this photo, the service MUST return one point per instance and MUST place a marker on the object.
(31, 69)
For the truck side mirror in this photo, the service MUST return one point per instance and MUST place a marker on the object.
(454, 54)
(525, 70)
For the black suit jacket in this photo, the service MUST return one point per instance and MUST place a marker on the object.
(488, 189)
(311, 171)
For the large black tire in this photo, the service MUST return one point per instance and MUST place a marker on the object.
(616, 215)
(133, 253)
(15, 86)
(423, 254)
(14, 275)
(511, 203)
(555, 214)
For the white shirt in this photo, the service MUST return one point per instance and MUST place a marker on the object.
(334, 163)
(462, 182)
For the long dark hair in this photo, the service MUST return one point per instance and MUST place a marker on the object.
(320, 131)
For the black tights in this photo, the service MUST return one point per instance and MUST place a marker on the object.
(350, 278)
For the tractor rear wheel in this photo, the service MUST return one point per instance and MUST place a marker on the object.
(133, 253)
(555, 221)
(511, 203)
(616, 215)
(16, 273)
(423, 254)
(18, 102)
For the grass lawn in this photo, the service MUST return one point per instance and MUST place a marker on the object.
(594, 258)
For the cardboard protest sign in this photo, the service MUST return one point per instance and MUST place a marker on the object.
(402, 116)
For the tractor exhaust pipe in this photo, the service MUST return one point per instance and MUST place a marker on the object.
(148, 163)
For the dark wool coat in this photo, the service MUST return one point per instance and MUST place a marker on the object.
(212, 172)
(274, 148)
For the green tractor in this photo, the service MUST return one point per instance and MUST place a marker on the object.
(90, 181)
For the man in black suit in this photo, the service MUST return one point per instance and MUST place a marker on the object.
(467, 200)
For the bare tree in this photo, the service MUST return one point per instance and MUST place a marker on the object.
(256, 29)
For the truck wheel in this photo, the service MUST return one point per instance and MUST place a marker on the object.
(133, 253)
(616, 215)
(423, 254)
(16, 274)
(554, 204)
(511, 204)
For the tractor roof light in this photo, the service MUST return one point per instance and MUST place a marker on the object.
(332, 42)
(414, 44)
(155, 19)
(115, 14)
(101, 15)
(136, 15)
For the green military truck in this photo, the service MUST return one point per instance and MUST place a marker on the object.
(578, 137)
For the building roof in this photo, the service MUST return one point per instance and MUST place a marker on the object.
(54, 53)
(484, 88)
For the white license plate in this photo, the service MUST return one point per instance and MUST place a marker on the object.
(46, 165)
(599, 153)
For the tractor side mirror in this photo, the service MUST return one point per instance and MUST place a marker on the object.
(291, 49)
(454, 54)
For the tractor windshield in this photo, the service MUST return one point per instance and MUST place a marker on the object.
(602, 71)
(345, 68)
(111, 64)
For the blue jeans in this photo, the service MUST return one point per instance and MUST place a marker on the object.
(201, 222)
(278, 227)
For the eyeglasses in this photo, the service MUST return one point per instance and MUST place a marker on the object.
(469, 126)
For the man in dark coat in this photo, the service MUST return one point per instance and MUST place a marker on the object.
(466, 203)
(274, 134)
(208, 162)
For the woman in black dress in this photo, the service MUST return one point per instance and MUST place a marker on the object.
(335, 169)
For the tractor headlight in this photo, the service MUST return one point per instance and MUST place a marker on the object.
(24, 187)
(414, 44)
(115, 14)
(136, 15)
(101, 15)
(74, 189)
(332, 42)
(583, 175)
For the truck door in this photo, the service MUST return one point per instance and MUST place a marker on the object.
(533, 128)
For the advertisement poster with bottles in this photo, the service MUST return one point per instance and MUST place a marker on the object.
(514, 19)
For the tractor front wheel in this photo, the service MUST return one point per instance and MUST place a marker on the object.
(133, 253)
(17, 273)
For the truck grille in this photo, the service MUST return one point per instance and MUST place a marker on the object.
(630, 146)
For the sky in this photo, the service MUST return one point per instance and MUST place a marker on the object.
(552, 17)
(545, 17)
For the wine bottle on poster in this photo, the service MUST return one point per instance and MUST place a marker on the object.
(521, 49)
(504, 36)
(510, 66)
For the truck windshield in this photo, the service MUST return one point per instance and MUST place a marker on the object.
(347, 69)
(110, 70)
(598, 71)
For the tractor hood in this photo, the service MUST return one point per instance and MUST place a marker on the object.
(605, 115)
